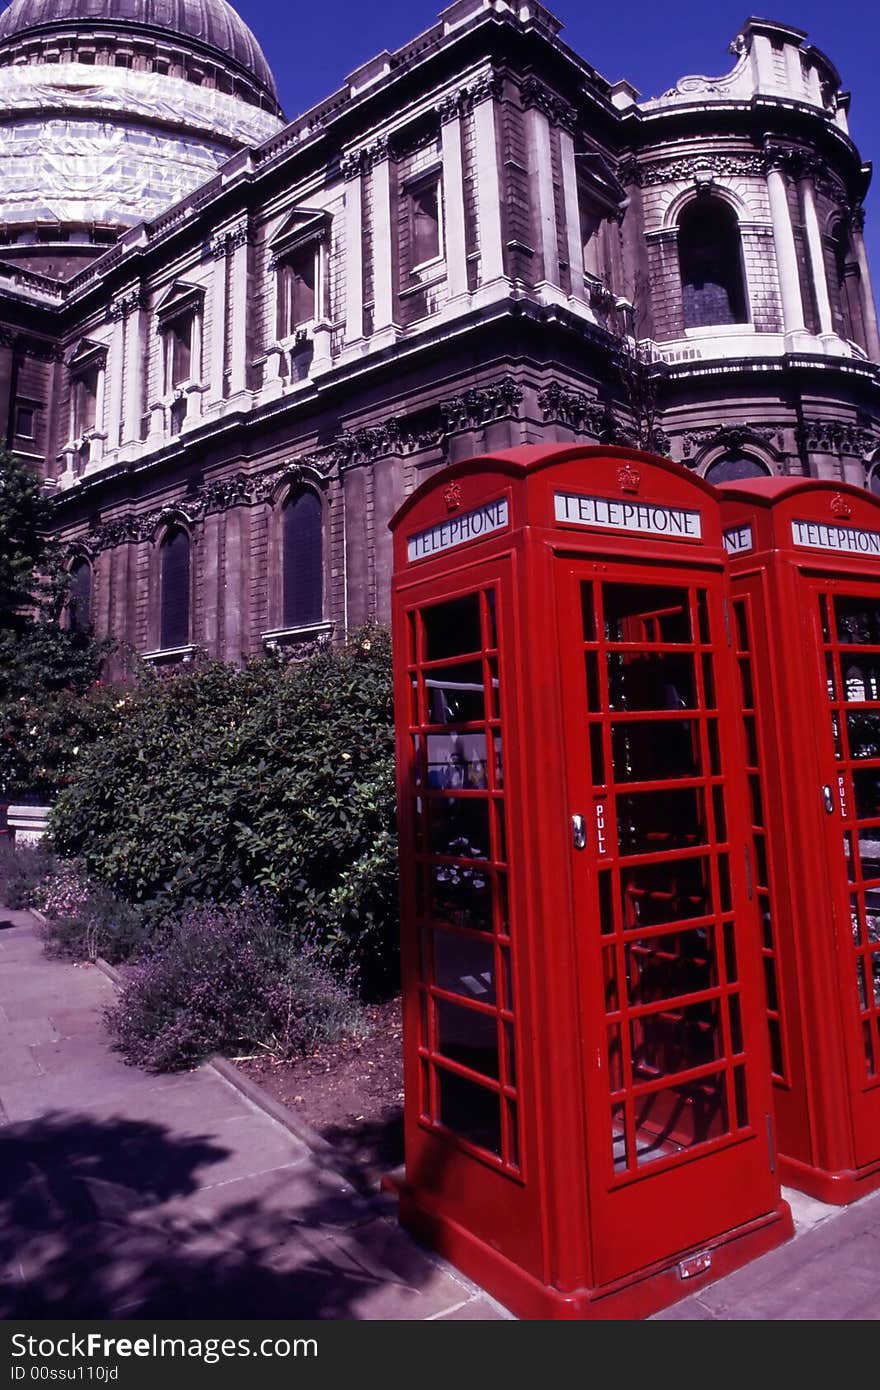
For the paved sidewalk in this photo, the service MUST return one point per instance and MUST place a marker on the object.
(126, 1195)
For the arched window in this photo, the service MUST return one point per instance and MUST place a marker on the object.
(174, 603)
(79, 603)
(302, 563)
(731, 468)
(710, 260)
(874, 480)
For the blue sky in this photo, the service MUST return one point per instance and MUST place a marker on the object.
(311, 47)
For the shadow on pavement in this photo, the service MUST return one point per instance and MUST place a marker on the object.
(117, 1218)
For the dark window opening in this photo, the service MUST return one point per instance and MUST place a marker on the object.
(710, 260)
(25, 422)
(85, 400)
(79, 603)
(731, 467)
(175, 565)
(179, 349)
(874, 481)
(297, 283)
(302, 561)
(425, 214)
(845, 285)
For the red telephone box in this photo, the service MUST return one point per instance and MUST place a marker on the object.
(805, 565)
(587, 1083)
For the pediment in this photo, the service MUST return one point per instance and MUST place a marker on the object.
(179, 298)
(85, 353)
(302, 226)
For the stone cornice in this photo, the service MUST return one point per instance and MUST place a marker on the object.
(534, 93)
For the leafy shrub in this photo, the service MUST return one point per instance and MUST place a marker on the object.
(278, 778)
(44, 735)
(226, 980)
(85, 920)
(23, 871)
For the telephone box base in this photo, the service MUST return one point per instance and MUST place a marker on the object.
(838, 1189)
(641, 1294)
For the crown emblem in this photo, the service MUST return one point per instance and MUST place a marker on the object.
(452, 497)
(840, 506)
(629, 479)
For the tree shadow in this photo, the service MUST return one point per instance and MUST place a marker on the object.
(123, 1218)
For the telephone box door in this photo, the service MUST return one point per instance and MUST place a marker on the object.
(676, 1072)
(844, 619)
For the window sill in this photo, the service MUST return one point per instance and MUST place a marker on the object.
(720, 330)
(167, 656)
(427, 284)
(284, 639)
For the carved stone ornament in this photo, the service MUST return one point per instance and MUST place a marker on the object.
(581, 413)
(533, 93)
(734, 437)
(837, 437)
(689, 167)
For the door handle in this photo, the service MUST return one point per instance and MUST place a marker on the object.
(578, 832)
(828, 799)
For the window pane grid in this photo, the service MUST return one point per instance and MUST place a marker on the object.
(467, 1032)
(646, 647)
(850, 628)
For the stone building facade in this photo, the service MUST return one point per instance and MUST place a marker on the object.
(476, 242)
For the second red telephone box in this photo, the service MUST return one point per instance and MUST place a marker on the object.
(588, 1098)
(805, 565)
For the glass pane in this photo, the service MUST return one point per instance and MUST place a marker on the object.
(461, 894)
(866, 785)
(460, 826)
(651, 681)
(659, 820)
(664, 967)
(588, 613)
(467, 1037)
(677, 1040)
(863, 731)
(455, 694)
(671, 892)
(861, 679)
(646, 752)
(642, 613)
(675, 1119)
(453, 628)
(858, 620)
(470, 1110)
(464, 966)
(869, 852)
(457, 760)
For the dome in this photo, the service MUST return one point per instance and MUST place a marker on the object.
(209, 27)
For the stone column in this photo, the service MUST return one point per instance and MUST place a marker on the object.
(239, 242)
(570, 198)
(135, 370)
(453, 198)
(194, 395)
(114, 375)
(786, 255)
(488, 184)
(869, 306)
(217, 365)
(98, 438)
(384, 233)
(541, 179)
(352, 170)
(817, 258)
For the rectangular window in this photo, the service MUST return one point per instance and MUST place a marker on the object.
(85, 401)
(297, 290)
(425, 223)
(25, 422)
(179, 344)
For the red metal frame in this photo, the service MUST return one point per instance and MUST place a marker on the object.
(586, 1073)
(806, 569)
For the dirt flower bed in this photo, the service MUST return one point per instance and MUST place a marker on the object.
(350, 1092)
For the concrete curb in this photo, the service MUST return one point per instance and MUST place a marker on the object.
(254, 1092)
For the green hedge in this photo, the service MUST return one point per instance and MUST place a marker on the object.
(280, 778)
